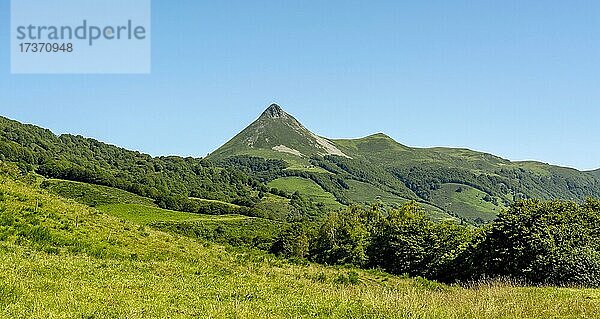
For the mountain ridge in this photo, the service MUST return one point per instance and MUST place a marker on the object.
(595, 172)
(275, 111)
(282, 114)
(380, 166)
(449, 182)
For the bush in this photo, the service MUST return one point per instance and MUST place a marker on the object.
(293, 242)
(342, 239)
(553, 243)
(407, 241)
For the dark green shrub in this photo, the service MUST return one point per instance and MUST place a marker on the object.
(293, 241)
(342, 238)
(553, 243)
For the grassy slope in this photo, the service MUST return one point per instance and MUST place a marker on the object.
(233, 229)
(306, 187)
(202, 200)
(142, 214)
(60, 259)
(378, 149)
(382, 154)
(382, 150)
(115, 201)
(98, 195)
(236, 230)
(469, 202)
(94, 195)
(267, 131)
(360, 192)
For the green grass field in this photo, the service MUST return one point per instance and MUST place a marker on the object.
(308, 188)
(236, 230)
(212, 201)
(94, 195)
(213, 283)
(364, 193)
(142, 214)
(62, 259)
(467, 202)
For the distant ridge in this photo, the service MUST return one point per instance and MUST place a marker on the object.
(467, 184)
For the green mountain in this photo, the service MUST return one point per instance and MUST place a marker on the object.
(276, 134)
(466, 184)
(595, 173)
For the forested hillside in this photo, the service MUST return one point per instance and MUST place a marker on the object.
(425, 171)
(470, 185)
(168, 180)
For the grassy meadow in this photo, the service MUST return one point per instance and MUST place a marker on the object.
(62, 259)
(308, 188)
(468, 200)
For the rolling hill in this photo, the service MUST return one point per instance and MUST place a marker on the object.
(470, 185)
(166, 179)
(62, 259)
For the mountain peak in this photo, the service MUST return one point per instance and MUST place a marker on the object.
(276, 132)
(274, 111)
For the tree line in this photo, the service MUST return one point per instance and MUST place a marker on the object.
(170, 180)
(534, 242)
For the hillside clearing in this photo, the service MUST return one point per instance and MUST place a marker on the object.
(306, 187)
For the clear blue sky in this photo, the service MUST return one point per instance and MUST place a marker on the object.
(520, 79)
